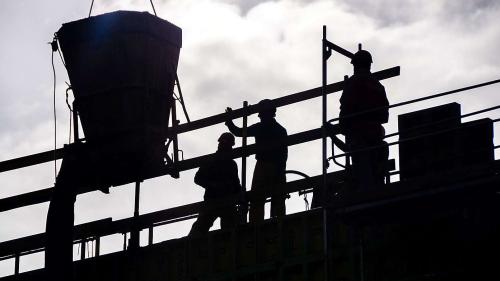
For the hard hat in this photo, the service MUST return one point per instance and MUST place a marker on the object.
(362, 58)
(227, 137)
(266, 105)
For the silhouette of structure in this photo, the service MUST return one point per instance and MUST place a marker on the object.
(432, 224)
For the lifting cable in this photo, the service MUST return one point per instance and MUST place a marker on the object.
(70, 110)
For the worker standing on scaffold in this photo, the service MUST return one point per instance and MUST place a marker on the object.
(364, 132)
(219, 178)
(272, 153)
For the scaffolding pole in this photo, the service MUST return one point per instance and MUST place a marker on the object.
(324, 111)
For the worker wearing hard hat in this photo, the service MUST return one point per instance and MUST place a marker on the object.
(219, 178)
(272, 153)
(362, 124)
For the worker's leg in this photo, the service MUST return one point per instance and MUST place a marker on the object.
(259, 182)
(257, 210)
(379, 163)
(278, 207)
(361, 163)
(203, 223)
(242, 212)
(228, 218)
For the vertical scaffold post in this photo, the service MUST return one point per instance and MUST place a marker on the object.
(135, 233)
(17, 258)
(325, 55)
(244, 160)
(324, 111)
(83, 244)
(244, 145)
(76, 136)
(97, 246)
(174, 128)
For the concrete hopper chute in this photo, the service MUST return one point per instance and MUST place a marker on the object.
(122, 67)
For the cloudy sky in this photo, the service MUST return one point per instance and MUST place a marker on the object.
(236, 50)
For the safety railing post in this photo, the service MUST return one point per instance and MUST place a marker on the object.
(17, 261)
(76, 135)
(97, 246)
(135, 233)
(244, 145)
(150, 235)
(125, 241)
(174, 129)
(82, 252)
(324, 111)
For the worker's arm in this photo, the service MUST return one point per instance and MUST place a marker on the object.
(332, 131)
(235, 130)
(203, 177)
(236, 179)
(385, 113)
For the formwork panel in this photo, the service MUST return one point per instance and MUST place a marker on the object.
(316, 271)
(294, 237)
(268, 242)
(315, 234)
(222, 251)
(199, 256)
(177, 262)
(246, 246)
(294, 273)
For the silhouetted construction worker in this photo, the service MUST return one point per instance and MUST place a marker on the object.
(219, 178)
(361, 125)
(272, 153)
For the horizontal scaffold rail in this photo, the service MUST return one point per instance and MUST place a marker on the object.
(482, 178)
(107, 227)
(48, 156)
(44, 195)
